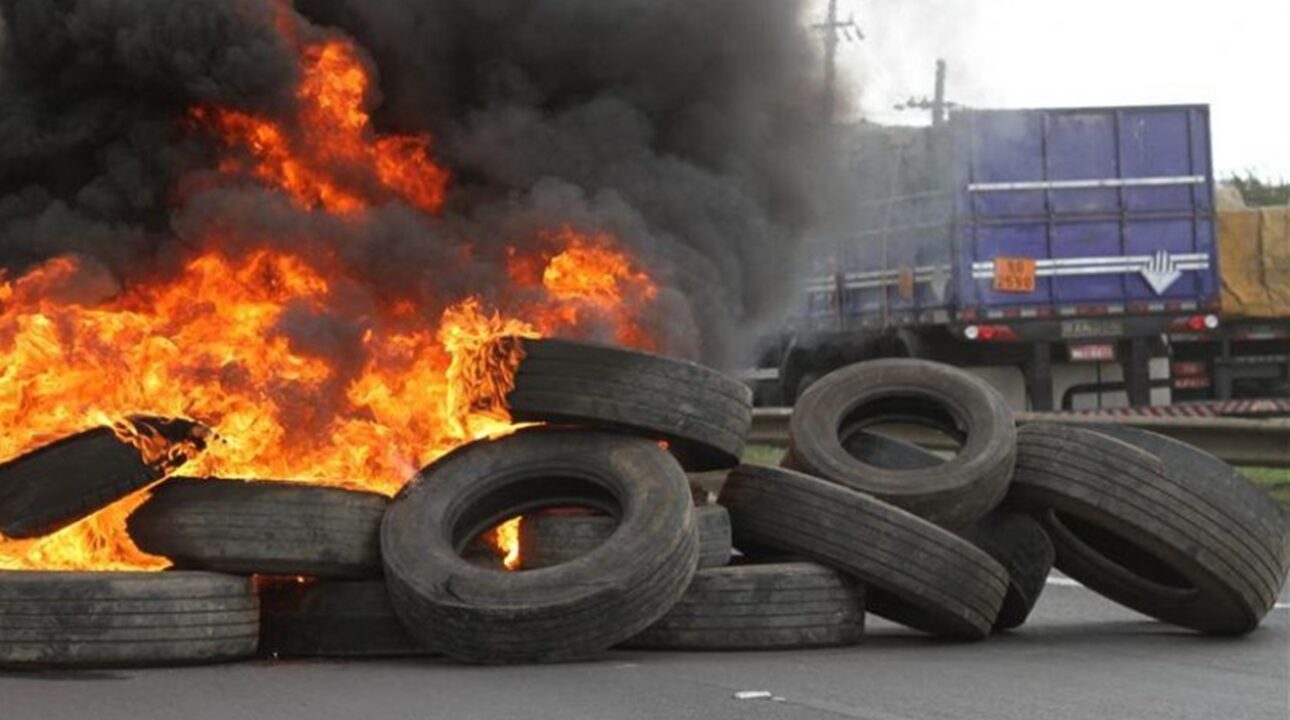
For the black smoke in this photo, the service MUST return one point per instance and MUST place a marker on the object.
(687, 128)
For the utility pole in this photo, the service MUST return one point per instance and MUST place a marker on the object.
(938, 105)
(834, 30)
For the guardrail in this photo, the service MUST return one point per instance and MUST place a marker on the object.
(1261, 443)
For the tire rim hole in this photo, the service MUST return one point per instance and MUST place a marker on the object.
(490, 533)
(902, 432)
(1123, 553)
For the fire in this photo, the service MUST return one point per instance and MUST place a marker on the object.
(506, 538)
(328, 155)
(590, 279)
(212, 340)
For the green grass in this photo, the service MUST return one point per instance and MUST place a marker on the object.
(763, 454)
(1276, 481)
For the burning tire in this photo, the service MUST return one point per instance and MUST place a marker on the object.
(761, 607)
(952, 588)
(60, 483)
(549, 539)
(1155, 524)
(703, 414)
(106, 619)
(332, 618)
(268, 528)
(1017, 541)
(953, 493)
(558, 613)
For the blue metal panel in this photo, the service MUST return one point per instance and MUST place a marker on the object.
(1100, 185)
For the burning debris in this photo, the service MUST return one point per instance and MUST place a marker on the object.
(224, 212)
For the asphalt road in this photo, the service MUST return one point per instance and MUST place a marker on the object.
(1079, 657)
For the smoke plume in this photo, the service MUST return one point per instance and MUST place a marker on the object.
(689, 130)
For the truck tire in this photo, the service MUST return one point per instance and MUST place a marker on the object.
(761, 607)
(110, 619)
(956, 588)
(55, 485)
(564, 612)
(262, 528)
(1154, 524)
(702, 414)
(331, 618)
(547, 539)
(951, 494)
(1016, 540)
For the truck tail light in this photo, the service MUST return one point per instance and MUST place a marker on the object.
(1195, 323)
(989, 333)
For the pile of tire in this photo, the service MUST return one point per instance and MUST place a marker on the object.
(962, 547)
(614, 549)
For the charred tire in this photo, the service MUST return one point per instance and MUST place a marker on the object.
(954, 588)
(60, 483)
(549, 540)
(703, 414)
(1154, 524)
(1016, 540)
(332, 618)
(568, 611)
(761, 607)
(268, 528)
(953, 493)
(106, 619)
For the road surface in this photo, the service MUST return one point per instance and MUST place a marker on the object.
(1079, 657)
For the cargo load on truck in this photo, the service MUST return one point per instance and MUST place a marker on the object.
(1254, 262)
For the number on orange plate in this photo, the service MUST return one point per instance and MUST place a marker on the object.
(1014, 275)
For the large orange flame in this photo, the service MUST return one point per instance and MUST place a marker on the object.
(328, 156)
(210, 341)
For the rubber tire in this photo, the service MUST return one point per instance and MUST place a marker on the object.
(113, 619)
(761, 607)
(1194, 543)
(955, 587)
(1016, 540)
(702, 414)
(548, 540)
(57, 484)
(951, 494)
(332, 618)
(261, 527)
(564, 612)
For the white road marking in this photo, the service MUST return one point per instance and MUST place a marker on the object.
(1062, 581)
(1281, 606)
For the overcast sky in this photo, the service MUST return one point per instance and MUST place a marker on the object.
(1233, 55)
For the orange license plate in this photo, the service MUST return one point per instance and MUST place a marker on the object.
(1014, 275)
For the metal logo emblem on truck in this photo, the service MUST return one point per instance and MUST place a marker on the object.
(1161, 272)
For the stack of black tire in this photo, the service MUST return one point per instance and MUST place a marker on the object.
(616, 552)
(1147, 521)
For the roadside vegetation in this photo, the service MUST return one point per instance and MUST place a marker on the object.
(1276, 481)
(1261, 193)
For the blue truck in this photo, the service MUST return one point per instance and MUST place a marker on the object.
(1054, 249)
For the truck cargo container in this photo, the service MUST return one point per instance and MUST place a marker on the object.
(1054, 248)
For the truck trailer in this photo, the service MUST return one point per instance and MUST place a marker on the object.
(1057, 251)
